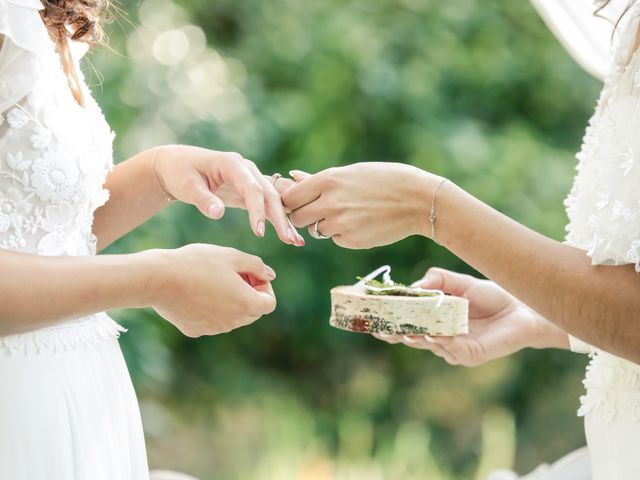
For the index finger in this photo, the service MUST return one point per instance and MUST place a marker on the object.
(260, 299)
(303, 192)
(245, 182)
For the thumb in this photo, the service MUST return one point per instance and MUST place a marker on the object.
(449, 282)
(252, 269)
(299, 175)
(209, 204)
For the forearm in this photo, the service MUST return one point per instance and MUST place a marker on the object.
(134, 196)
(599, 304)
(67, 287)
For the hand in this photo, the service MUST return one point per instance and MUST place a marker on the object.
(363, 205)
(208, 290)
(210, 180)
(499, 324)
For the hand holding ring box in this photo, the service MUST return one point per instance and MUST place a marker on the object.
(371, 306)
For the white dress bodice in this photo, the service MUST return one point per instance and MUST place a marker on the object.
(68, 409)
(54, 158)
(603, 208)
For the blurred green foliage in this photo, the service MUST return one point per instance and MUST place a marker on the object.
(476, 91)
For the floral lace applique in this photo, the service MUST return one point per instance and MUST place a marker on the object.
(54, 158)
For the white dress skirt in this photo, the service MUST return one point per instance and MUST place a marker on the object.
(68, 410)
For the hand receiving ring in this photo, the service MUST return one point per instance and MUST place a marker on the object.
(274, 178)
(315, 233)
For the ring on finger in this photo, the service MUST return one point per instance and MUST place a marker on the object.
(316, 233)
(274, 178)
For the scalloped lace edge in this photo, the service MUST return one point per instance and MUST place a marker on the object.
(613, 386)
(90, 330)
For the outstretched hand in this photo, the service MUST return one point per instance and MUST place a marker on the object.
(363, 205)
(211, 180)
(499, 324)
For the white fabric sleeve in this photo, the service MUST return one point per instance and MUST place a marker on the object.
(25, 39)
(586, 37)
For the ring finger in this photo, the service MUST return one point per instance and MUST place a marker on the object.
(320, 230)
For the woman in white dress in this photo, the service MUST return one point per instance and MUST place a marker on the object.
(67, 407)
(587, 287)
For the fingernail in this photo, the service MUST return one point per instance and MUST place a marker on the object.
(409, 339)
(298, 173)
(270, 272)
(261, 228)
(430, 339)
(300, 239)
(291, 235)
(214, 210)
(426, 281)
(383, 335)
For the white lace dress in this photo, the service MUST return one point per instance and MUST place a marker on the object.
(604, 219)
(67, 406)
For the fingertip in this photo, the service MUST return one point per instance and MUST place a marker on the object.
(298, 175)
(215, 210)
(271, 273)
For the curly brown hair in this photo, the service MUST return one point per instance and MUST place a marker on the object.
(79, 20)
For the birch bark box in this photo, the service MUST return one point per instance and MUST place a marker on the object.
(356, 309)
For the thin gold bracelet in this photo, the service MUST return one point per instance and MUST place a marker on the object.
(432, 216)
(169, 197)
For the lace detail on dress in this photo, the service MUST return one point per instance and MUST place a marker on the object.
(604, 203)
(612, 383)
(78, 333)
(604, 211)
(54, 159)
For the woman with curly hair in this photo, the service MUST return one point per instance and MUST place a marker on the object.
(67, 406)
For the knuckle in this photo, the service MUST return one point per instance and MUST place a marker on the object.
(191, 332)
(255, 260)
(255, 187)
(190, 183)
(234, 156)
(296, 220)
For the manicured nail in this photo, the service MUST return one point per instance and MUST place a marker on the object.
(214, 210)
(300, 240)
(425, 282)
(261, 228)
(430, 339)
(298, 173)
(291, 235)
(270, 272)
(409, 339)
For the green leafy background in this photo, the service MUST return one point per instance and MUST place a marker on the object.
(477, 91)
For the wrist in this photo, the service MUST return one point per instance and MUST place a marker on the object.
(547, 335)
(160, 162)
(148, 278)
(424, 187)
